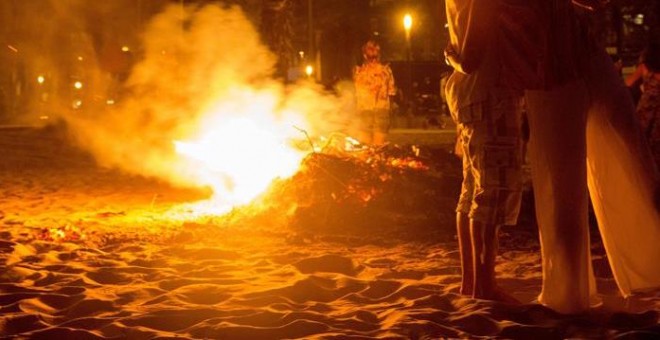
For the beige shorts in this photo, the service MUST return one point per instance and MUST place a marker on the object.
(492, 162)
(375, 121)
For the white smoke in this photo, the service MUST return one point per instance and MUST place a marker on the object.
(198, 66)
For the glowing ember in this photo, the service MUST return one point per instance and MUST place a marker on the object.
(65, 233)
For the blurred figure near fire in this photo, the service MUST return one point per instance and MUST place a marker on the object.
(487, 110)
(648, 107)
(374, 85)
(601, 153)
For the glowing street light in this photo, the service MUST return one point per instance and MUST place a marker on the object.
(41, 79)
(78, 85)
(407, 24)
(309, 70)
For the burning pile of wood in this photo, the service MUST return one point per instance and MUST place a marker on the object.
(385, 190)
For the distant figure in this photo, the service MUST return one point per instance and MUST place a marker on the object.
(487, 111)
(374, 85)
(648, 107)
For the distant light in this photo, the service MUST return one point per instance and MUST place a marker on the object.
(309, 70)
(41, 79)
(80, 58)
(77, 104)
(110, 102)
(639, 19)
(14, 49)
(44, 117)
(376, 33)
(407, 22)
(301, 54)
(78, 85)
(125, 49)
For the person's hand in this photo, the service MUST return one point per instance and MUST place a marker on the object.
(450, 53)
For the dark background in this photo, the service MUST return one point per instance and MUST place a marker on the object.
(328, 32)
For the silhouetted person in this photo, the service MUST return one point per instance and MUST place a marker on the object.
(374, 85)
(647, 73)
(488, 116)
(585, 139)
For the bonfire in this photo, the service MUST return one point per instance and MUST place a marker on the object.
(212, 201)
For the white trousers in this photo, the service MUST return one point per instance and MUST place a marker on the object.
(623, 181)
(585, 135)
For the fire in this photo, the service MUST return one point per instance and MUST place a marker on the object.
(241, 154)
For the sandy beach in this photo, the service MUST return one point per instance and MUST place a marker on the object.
(93, 253)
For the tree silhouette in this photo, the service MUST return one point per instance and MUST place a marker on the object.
(277, 31)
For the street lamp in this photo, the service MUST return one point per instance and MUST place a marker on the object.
(407, 25)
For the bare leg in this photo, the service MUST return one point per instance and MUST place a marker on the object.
(364, 127)
(485, 245)
(483, 254)
(465, 247)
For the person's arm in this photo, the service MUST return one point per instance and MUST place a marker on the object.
(634, 77)
(452, 59)
(391, 87)
(591, 5)
(479, 25)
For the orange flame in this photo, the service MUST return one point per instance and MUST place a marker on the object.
(239, 154)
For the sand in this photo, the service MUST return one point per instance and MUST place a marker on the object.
(91, 253)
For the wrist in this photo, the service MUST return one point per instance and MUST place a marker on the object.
(450, 54)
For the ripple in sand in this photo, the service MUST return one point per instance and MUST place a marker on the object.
(64, 333)
(206, 254)
(296, 329)
(329, 264)
(91, 307)
(381, 288)
(475, 323)
(172, 284)
(106, 276)
(17, 324)
(59, 302)
(202, 294)
(171, 320)
(37, 306)
(314, 288)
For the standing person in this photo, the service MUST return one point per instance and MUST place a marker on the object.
(487, 113)
(558, 164)
(374, 85)
(648, 107)
(600, 152)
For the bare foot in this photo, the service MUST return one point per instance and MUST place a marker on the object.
(502, 296)
(466, 289)
(467, 285)
(498, 295)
